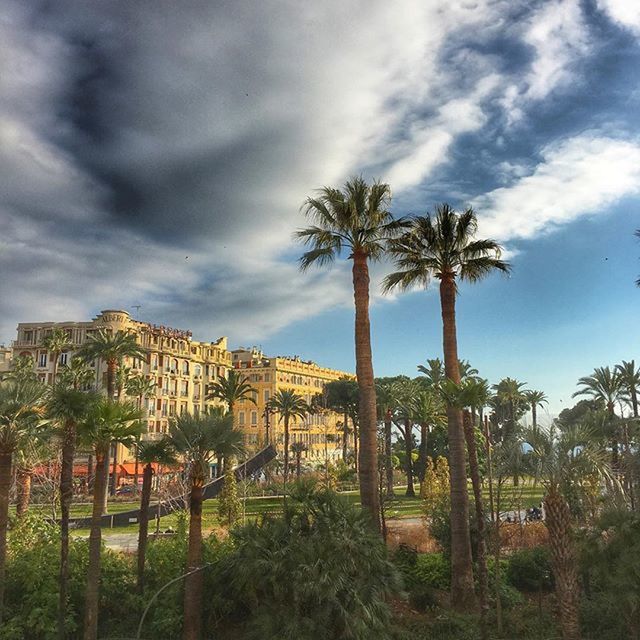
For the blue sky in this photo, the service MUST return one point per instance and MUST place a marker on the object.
(159, 156)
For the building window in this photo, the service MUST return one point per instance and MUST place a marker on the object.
(197, 370)
(267, 395)
(267, 377)
(63, 359)
(241, 418)
(42, 359)
(254, 418)
(185, 367)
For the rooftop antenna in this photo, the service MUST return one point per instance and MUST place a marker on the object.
(137, 307)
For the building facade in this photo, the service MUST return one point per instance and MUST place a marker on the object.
(320, 431)
(180, 367)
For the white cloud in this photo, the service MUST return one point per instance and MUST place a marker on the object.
(625, 12)
(580, 176)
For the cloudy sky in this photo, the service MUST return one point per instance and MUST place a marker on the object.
(156, 153)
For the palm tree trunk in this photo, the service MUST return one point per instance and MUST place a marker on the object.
(193, 583)
(90, 472)
(23, 485)
(462, 588)
(356, 447)
(143, 522)
(563, 558)
(481, 548)
(95, 539)
(136, 467)
(114, 472)
(286, 448)
(104, 488)
(368, 463)
(5, 486)
(66, 497)
(534, 415)
(112, 367)
(387, 451)
(422, 453)
(298, 454)
(408, 449)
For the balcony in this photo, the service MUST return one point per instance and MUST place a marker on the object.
(151, 437)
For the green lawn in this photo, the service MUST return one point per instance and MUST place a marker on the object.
(400, 507)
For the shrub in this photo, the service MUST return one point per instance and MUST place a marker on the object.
(433, 570)
(530, 570)
(319, 572)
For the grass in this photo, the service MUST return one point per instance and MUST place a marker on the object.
(400, 507)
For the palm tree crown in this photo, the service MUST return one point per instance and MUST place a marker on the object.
(232, 389)
(112, 348)
(21, 411)
(109, 422)
(441, 246)
(630, 382)
(603, 384)
(354, 220)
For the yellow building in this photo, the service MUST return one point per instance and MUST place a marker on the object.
(180, 366)
(5, 359)
(320, 432)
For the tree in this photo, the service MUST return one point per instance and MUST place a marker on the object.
(66, 408)
(55, 343)
(22, 370)
(77, 374)
(21, 410)
(562, 461)
(197, 439)
(228, 503)
(231, 390)
(158, 452)
(428, 412)
(139, 387)
(605, 385)
(341, 396)
(112, 348)
(385, 403)
(290, 406)
(298, 449)
(106, 422)
(405, 392)
(434, 372)
(630, 382)
(444, 247)
(535, 399)
(355, 220)
(512, 394)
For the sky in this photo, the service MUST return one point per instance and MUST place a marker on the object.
(154, 157)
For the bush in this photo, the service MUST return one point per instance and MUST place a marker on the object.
(319, 572)
(433, 570)
(530, 570)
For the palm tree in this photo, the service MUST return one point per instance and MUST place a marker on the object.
(385, 402)
(290, 406)
(535, 399)
(341, 396)
(405, 392)
(139, 387)
(428, 412)
(605, 385)
(20, 416)
(159, 452)
(434, 371)
(355, 220)
(21, 370)
(630, 382)
(232, 390)
(444, 247)
(66, 407)
(32, 451)
(561, 461)
(512, 393)
(77, 374)
(298, 449)
(197, 439)
(112, 348)
(56, 343)
(106, 422)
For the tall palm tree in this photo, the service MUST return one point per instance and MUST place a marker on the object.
(106, 422)
(66, 408)
(56, 343)
(112, 348)
(355, 220)
(139, 387)
(535, 399)
(630, 382)
(159, 452)
(512, 393)
(197, 440)
(604, 384)
(561, 461)
(444, 247)
(21, 410)
(289, 405)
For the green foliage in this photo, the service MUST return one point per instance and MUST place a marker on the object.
(530, 570)
(229, 505)
(319, 572)
(433, 570)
